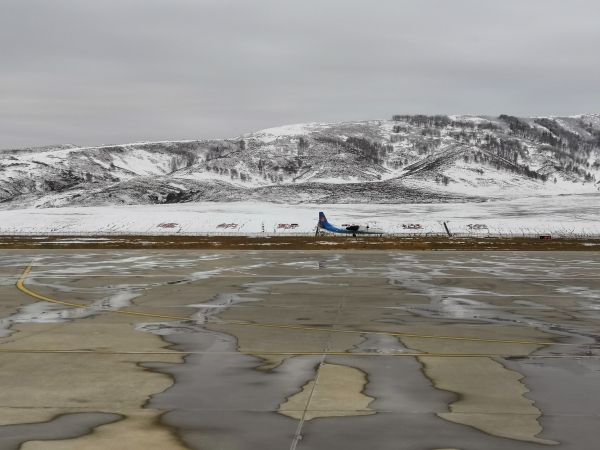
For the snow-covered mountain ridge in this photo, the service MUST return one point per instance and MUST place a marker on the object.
(404, 160)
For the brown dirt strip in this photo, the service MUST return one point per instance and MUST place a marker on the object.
(295, 243)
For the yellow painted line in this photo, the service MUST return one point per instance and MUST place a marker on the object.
(259, 353)
(389, 333)
(253, 353)
(21, 286)
(353, 276)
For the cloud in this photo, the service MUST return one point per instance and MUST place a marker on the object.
(91, 72)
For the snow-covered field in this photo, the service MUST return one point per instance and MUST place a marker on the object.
(567, 215)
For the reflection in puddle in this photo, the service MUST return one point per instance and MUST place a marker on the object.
(44, 312)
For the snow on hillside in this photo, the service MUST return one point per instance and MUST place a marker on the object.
(409, 159)
(269, 135)
(563, 215)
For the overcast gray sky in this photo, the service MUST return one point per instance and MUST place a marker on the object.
(116, 71)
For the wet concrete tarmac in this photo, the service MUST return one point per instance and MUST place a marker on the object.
(203, 350)
(66, 426)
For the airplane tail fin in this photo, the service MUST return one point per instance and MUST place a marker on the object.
(322, 220)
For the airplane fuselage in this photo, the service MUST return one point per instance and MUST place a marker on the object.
(349, 229)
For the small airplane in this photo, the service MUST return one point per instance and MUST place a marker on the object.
(349, 229)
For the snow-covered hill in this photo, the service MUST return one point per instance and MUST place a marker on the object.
(408, 159)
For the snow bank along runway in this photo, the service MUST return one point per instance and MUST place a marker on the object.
(299, 350)
(561, 216)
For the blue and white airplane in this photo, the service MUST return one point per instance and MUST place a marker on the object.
(346, 229)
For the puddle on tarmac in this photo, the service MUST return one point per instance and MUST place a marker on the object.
(65, 426)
